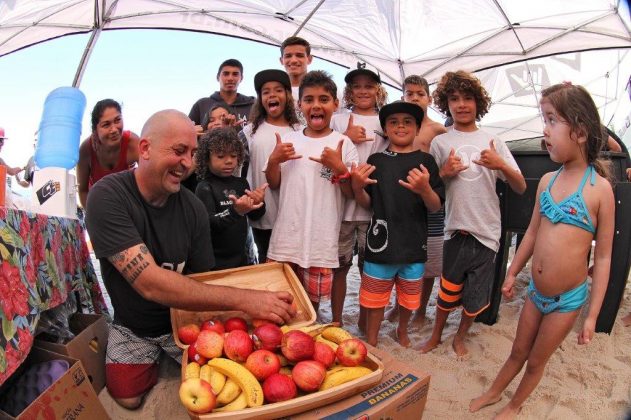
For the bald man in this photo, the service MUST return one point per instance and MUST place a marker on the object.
(147, 232)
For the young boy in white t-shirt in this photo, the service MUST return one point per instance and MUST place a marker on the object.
(311, 168)
(363, 96)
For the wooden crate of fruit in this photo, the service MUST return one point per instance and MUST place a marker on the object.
(236, 367)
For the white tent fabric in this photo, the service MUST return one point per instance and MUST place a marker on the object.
(395, 37)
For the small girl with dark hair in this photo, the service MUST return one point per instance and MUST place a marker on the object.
(574, 206)
(273, 113)
(228, 199)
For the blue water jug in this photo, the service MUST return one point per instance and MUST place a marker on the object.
(60, 129)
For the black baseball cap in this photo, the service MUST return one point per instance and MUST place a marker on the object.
(271, 75)
(400, 107)
(361, 70)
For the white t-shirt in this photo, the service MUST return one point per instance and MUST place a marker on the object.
(339, 122)
(310, 207)
(261, 145)
(471, 202)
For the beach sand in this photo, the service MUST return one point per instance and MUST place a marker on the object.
(580, 382)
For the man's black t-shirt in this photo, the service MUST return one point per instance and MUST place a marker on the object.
(398, 228)
(177, 236)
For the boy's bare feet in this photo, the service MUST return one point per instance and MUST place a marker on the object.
(429, 345)
(626, 320)
(402, 337)
(507, 413)
(459, 347)
(392, 313)
(482, 401)
(418, 318)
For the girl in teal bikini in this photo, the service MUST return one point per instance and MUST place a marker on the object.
(575, 205)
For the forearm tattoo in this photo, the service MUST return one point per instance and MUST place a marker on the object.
(131, 268)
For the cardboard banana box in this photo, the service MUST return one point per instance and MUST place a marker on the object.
(272, 277)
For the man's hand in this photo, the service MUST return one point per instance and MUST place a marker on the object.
(244, 204)
(489, 158)
(258, 195)
(453, 166)
(332, 159)
(360, 175)
(273, 306)
(283, 152)
(417, 180)
(356, 133)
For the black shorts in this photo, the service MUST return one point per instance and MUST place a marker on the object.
(467, 279)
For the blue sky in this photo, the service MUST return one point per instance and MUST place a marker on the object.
(145, 70)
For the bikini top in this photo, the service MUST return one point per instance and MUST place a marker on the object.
(572, 210)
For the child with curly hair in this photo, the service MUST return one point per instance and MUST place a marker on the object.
(228, 199)
(470, 162)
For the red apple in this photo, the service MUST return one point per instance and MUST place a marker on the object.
(297, 346)
(262, 363)
(308, 375)
(235, 323)
(188, 333)
(209, 344)
(194, 356)
(324, 354)
(257, 322)
(268, 337)
(197, 396)
(238, 345)
(351, 352)
(279, 387)
(214, 325)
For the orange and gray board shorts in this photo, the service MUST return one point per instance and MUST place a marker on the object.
(467, 279)
(317, 281)
(378, 279)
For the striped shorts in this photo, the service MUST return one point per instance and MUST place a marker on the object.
(378, 279)
(317, 281)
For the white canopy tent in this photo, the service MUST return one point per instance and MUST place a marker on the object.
(396, 38)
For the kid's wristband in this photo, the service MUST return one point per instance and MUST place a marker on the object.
(340, 179)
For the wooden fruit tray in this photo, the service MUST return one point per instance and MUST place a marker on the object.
(272, 277)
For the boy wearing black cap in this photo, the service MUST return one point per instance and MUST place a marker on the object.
(363, 95)
(400, 185)
(273, 113)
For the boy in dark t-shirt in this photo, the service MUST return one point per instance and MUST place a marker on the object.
(399, 185)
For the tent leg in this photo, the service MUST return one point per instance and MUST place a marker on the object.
(85, 57)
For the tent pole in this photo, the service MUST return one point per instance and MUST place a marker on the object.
(85, 57)
(315, 9)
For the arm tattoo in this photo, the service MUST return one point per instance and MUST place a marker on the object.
(131, 269)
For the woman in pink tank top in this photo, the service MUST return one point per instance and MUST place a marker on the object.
(108, 150)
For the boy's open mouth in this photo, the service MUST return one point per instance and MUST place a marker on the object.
(317, 118)
(273, 105)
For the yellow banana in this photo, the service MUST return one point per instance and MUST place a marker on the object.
(229, 392)
(343, 375)
(312, 330)
(239, 403)
(192, 370)
(214, 378)
(243, 377)
(336, 334)
(323, 340)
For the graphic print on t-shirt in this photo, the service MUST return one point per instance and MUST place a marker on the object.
(468, 153)
(377, 236)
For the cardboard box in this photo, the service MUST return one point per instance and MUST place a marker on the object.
(89, 345)
(70, 397)
(55, 192)
(401, 394)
